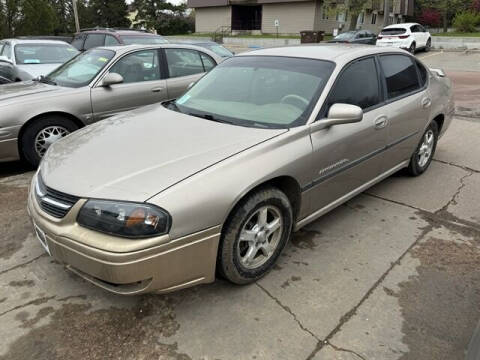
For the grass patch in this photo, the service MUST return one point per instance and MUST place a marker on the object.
(458, 34)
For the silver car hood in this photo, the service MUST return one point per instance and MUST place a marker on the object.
(17, 92)
(141, 153)
(28, 72)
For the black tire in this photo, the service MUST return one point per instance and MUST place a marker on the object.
(429, 45)
(412, 48)
(27, 147)
(229, 263)
(416, 167)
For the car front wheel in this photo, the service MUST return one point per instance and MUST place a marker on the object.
(41, 133)
(255, 235)
(412, 48)
(429, 45)
(423, 155)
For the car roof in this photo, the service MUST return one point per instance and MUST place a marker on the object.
(122, 49)
(35, 41)
(117, 31)
(339, 53)
(402, 26)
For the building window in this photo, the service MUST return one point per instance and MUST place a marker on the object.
(341, 16)
(325, 13)
(374, 19)
(361, 18)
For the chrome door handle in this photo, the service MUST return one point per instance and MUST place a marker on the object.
(381, 122)
(158, 89)
(426, 103)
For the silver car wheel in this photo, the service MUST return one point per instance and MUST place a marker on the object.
(426, 149)
(47, 137)
(260, 237)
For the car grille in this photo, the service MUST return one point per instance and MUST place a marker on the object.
(53, 202)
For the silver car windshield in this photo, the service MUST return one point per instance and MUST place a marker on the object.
(81, 70)
(33, 54)
(258, 91)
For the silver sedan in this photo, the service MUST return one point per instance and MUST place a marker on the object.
(92, 86)
(168, 196)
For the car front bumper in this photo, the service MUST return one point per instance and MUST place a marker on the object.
(157, 265)
(9, 143)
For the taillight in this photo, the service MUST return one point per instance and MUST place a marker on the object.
(404, 36)
(379, 37)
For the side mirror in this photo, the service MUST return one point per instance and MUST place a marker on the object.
(112, 79)
(339, 114)
(5, 59)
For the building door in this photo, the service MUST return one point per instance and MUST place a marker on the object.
(246, 17)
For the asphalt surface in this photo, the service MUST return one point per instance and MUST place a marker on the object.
(392, 274)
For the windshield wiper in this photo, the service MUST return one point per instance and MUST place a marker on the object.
(210, 117)
(45, 80)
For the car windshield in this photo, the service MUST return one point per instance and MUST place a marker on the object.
(393, 31)
(258, 91)
(345, 36)
(33, 54)
(143, 39)
(81, 70)
(219, 50)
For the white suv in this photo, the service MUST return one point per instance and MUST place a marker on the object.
(410, 37)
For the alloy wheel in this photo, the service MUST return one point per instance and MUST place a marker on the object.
(426, 149)
(47, 137)
(260, 236)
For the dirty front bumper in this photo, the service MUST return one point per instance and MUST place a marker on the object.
(126, 266)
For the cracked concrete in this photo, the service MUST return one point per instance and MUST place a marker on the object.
(366, 281)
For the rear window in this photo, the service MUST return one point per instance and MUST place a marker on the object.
(32, 54)
(393, 31)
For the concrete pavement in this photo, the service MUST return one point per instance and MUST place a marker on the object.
(392, 274)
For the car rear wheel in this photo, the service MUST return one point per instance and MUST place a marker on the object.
(423, 156)
(429, 45)
(41, 133)
(254, 236)
(412, 48)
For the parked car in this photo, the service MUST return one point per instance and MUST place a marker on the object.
(22, 60)
(94, 85)
(212, 46)
(95, 37)
(411, 37)
(163, 197)
(356, 37)
(66, 38)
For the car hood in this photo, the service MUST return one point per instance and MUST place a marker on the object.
(28, 72)
(18, 91)
(136, 155)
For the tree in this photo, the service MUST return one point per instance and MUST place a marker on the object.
(447, 8)
(166, 18)
(109, 13)
(430, 17)
(350, 7)
(12, 16)
(38, 18)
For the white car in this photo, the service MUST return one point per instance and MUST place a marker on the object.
(409, 36)
(24, 59)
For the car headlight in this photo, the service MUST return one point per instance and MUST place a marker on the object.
(124, 219)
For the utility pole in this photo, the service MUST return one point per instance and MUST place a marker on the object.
(386, 12)
(75, 14)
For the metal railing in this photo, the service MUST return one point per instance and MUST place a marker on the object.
(220, 33)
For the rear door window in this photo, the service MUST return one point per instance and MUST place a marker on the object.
(357, 85)
(183, 62)
(208, 62)
(400, 74)
(94, 40)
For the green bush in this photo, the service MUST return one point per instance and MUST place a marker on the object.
(466, 21)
